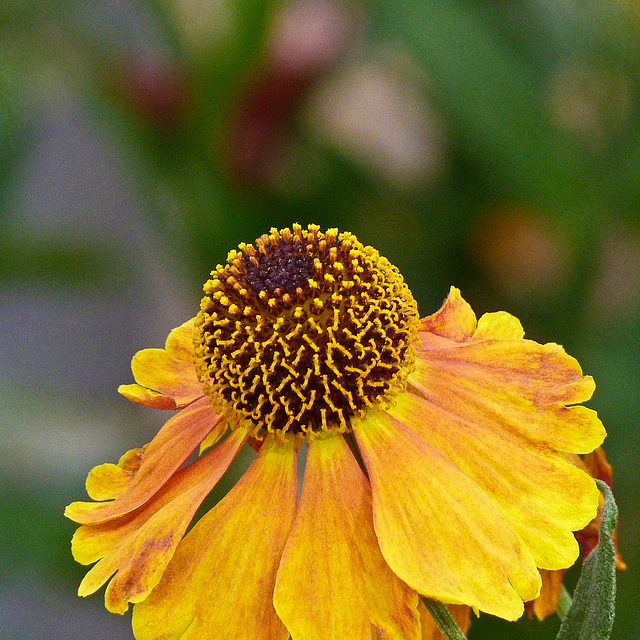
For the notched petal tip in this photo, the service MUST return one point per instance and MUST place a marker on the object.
(520, 384)
(132, 552)
(107, 481)
(172, 445)
(85, 550)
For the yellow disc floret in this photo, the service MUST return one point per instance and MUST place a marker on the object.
(303, 332)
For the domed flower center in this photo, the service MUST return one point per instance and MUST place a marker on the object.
(303, 332)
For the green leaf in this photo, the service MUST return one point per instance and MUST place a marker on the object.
(591, 614)
(441, 616)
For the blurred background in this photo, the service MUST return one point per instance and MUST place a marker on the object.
(490, 145)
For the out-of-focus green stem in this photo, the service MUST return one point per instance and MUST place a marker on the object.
(441, 616)
(564, 602)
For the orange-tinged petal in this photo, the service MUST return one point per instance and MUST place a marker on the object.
(454, 320)
(147, 397)
(333, 582)
(219, 584)
(597, 466)
(107, 481)
(543, 496)
(461, 614)
(437, 529)
(170, 372)
(547, 602)
(172, 445)
(517, 385)
(138, 546)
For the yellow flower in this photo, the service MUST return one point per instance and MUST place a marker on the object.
(436, 458)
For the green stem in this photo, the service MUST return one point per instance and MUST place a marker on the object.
(441, 616)
(564, 602)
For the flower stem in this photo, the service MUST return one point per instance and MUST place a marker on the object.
(441, 616)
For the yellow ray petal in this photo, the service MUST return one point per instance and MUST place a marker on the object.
(139, 546)
(107, 481)
(498, 325)
(172, 445)
(147, 397)
(461, 614)
(170, 372)
(543, 496)
(517, 385)
(219, 584)
(437, 529)
(454, 320)
(333, 582)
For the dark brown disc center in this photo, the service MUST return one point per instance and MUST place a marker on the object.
(281, 270)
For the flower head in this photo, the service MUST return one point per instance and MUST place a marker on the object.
(436, 458)
(303, 334)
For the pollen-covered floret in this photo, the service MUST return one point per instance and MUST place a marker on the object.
(302, 332)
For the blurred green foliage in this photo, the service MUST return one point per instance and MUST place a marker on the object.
(526, 195)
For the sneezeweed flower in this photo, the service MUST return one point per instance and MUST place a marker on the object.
(436, 458)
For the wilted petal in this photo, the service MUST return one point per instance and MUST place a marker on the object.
(437, 529)
(596, 465)
(172, 445)
(333, 582)
(139, 545)
(219, 584)
(547, 602)
(166, 378)
(543, 496)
